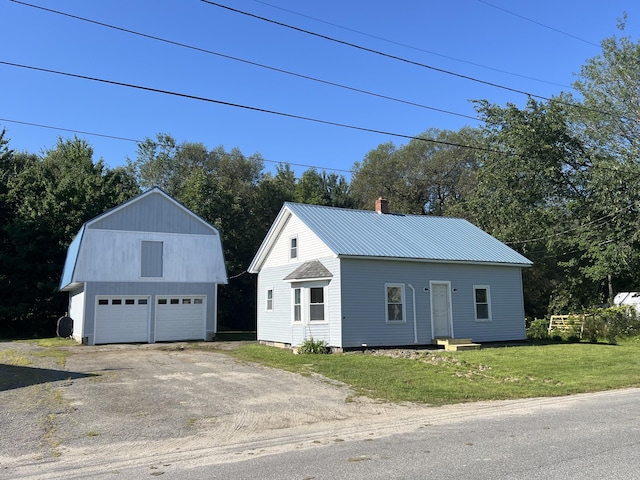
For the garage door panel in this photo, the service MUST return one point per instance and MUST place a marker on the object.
(122, 320)
(180, 318)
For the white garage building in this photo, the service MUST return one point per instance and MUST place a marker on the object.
(145, 271)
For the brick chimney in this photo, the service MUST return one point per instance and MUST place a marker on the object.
(382, 205)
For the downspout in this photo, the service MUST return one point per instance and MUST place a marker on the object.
(415, 320)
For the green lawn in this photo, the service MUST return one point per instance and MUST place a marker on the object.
(439, 378)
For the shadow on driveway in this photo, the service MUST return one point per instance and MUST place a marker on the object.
(12, 376)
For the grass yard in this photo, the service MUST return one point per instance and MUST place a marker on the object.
(436, 377)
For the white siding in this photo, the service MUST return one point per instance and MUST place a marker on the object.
(114, 256)
(76, 312)
(277, 325)
(309, 245)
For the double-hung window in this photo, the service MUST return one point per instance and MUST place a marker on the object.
(293, 248)
(297, 305)
(482, 301)
(309, 304)
(395, 309)
(270, 300)
(316, 304)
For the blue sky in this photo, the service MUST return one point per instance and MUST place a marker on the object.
(475, 38)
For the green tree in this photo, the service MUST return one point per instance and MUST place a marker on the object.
(50, 198)
(328, 189)
(429, 175)
(532, 197)
(609, 121)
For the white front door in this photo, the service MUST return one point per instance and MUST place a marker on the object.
(441, 310)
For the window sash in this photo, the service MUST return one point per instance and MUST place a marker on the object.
(297, 305)
(316, 304)
(270, 299)
(482, 301)
(395, 303)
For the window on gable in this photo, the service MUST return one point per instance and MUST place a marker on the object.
(297, 304)
(395, 303)
(270, 300)
(316, 304)
(151, 259)
(482, 300)
(293, 248)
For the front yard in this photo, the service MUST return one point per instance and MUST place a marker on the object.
(438, 378)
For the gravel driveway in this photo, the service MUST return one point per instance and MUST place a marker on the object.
(109, 405)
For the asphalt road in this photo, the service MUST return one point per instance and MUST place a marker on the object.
(588, 436)
(131, 412)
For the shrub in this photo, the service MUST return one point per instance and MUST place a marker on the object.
(538, 329)
(611, 323)
(312, 346)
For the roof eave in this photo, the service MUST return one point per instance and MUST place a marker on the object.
(265, 247)
(437, 260)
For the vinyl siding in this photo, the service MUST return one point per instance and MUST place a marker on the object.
(277, 325)
(153, 212)
(309, 246)
(76, 311)
(363, 309)
(115, 256)
(151, 289)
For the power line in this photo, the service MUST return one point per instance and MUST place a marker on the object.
(255, 109)
(556, 234)
(412, 47)
(249, 62)
(376, 52)
(413, 62)
(71, 130)
(539, 23)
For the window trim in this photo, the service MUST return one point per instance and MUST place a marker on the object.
(268, 300)
(294, 305)
(324, 304)
(294, 250)
(305, 303)
(403, 303)
(476, 303)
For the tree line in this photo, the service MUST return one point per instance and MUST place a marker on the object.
(557, 180)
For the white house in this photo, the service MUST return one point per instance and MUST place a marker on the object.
(356, 278)
(145, 271)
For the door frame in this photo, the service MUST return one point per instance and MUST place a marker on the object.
(449, 306)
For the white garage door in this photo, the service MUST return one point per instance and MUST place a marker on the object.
(122, 320)
(180, 318)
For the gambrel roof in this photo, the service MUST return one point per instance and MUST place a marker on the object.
(368, 234)
(151, 212)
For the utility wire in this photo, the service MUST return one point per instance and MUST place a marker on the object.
(538, 23)
(412, 47)
(249, 62)
(413, 62)
(63, 129)
(70, 130)
(376, 52)
(556, 234)
(257, 109)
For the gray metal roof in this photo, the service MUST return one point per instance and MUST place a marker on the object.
(365, 233)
